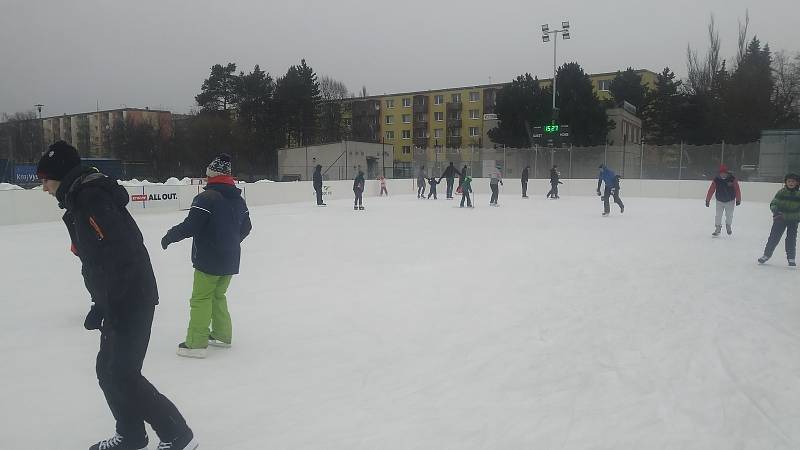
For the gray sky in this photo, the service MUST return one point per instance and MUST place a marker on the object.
(71, 54)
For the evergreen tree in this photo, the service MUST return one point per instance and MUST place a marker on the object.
(521, 104)
(627, 87)
(580, 108)
(219, 89)
(661, 110)
(298, 98)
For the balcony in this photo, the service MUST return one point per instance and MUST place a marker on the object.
(454, 123)
(455, 106)
(421, 104)
(421, 142)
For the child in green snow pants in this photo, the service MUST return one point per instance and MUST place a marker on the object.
(209, 306)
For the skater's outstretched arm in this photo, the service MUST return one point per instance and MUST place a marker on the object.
(199, 215)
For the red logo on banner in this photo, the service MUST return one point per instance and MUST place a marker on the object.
(139, 198)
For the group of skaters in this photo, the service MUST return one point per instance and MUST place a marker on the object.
(120, 279)
(121, 282)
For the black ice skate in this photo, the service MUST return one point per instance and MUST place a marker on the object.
(716, 231)
(184, 441)
(792, 263)
(763, 259)
(120, 443)
(728, 229)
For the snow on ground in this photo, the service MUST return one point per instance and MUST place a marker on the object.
(417, 325)
(8, 187)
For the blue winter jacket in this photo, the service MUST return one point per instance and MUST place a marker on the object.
(218, 222)
(608, 176)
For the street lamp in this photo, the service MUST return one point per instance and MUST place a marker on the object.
(546, 32)
(39, 107)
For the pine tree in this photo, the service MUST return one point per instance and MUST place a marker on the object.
(521, 104)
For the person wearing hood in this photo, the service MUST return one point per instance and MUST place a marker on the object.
(218, 222)
(119, 276)
(318, 184)
(524, 179)
(726, 189)
(555, 180)
(611, 181)
(785, 209)
(449, 174)
(358, 190)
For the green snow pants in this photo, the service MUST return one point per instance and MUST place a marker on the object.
(209, 306)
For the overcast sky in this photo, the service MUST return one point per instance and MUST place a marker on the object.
(70, 55)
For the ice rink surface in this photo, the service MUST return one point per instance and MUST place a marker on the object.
(419, 325)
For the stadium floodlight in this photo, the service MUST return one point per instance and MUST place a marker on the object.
(565, 25)
(545, 28)
(565, 34)
(546, 38)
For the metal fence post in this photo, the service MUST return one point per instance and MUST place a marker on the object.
(641, 162)
(570, 161)
(680, 163)
(722, 155)
(605, 154)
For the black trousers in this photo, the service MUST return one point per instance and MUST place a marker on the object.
(465, 196)
(432, 192)
(450, 182)
(775, 235)
(131, 398)
(553, 190)
(609, 192)
(495, 192)
(319, 196)
(359, 197)
(524, 188)
(420, 189)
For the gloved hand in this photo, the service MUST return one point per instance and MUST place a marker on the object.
(708, 204)
(94, 319)
(738, 202)
(598, 192)
(165, 242)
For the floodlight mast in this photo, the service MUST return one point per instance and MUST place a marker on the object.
(565, 34)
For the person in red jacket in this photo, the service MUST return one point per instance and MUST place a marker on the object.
(728, 194)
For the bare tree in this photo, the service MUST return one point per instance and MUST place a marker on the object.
(786, 95)
(742, 42)
(332, 89)
(702, 73)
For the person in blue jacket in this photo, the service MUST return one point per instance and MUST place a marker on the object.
(611, 181)
(218, 222)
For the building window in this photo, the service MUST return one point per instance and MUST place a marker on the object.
(474, 131)
(438, 99)
(604, 85)
(474, 114)
(406, 134)
(437, 133)
(439, 116)
(456, 98)
(474, 96)
(454, 115)
(390, 135)
(455, 132)
(406, 118)
(390, 103)
(422, 117)
(406, 149)
(389, 120)
(422, 133)
(421, 101)
(407, 102)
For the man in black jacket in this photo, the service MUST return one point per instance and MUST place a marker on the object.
(118, 274)
(555, 180)
(525, 173)
(218, 222)
(318, 184)
(450, 175)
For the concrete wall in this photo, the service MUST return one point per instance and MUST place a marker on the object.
(32, 206)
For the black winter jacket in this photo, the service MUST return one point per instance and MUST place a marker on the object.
(554, 177)
(218, 222)
(116, 266)
(450, 173)
(358, 183)
(525, 175)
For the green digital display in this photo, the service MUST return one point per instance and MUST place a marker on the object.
(552, 129)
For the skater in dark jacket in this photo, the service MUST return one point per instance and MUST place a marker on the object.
(555, 180)
(462, 176)
(611, 181)
(218, 222)
(726, 189)
(525, 172)
(432, 190)
(318, 184)
(358, 190)
(785, 209)
(466, 189)
(118, 274)
(449, 174)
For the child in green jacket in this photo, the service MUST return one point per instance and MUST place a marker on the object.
(786, 215)
(466, 189)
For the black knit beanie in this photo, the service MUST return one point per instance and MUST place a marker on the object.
(59, 160)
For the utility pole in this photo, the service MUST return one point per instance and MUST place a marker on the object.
(564, 32)
(39, 107)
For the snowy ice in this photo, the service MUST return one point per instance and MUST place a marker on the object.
(419, 325)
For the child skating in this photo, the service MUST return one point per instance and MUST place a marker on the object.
(466, 189)
(432, 188)
(358, 190)
(785, 209)
(725, 187)
(382, 179)
(555, 180)
(495, 181)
